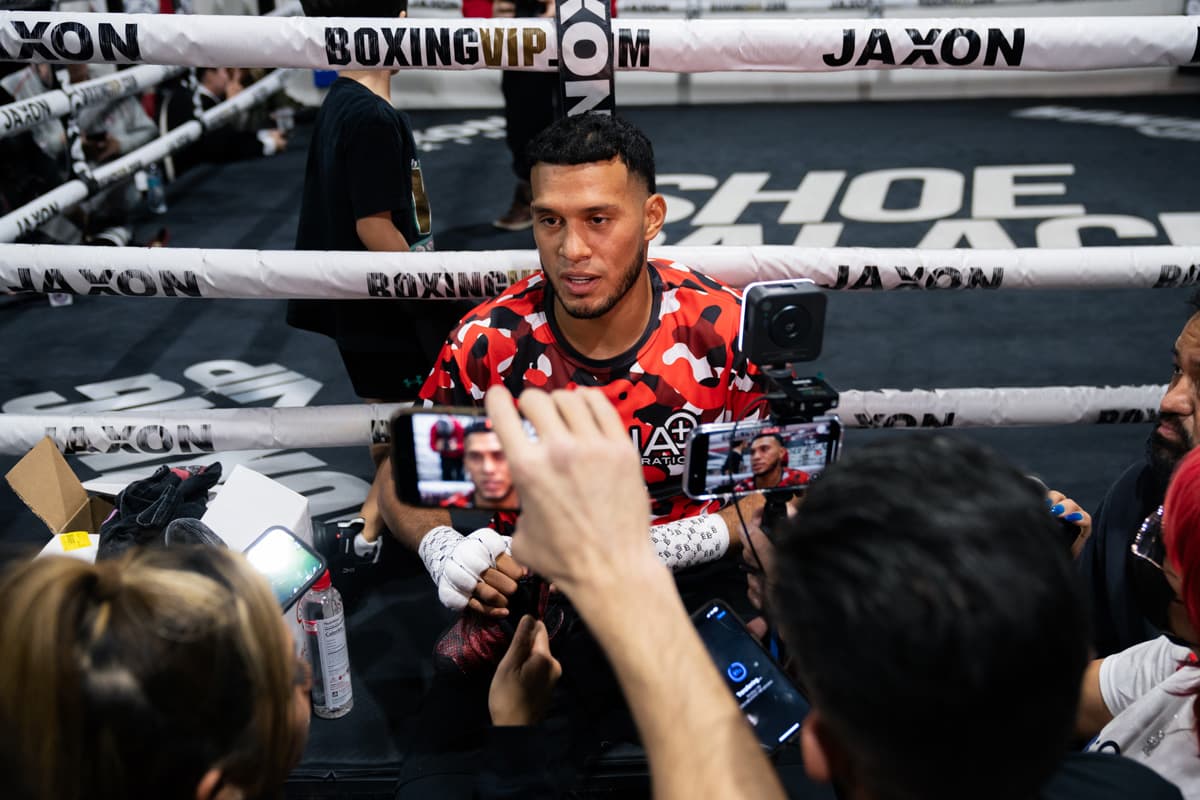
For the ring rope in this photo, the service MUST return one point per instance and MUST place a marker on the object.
(629, 7)
(220, 430)
(42, 209)
(771, 45)
(451, 275)
(33, 111)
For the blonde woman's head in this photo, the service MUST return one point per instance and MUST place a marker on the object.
(164, 674)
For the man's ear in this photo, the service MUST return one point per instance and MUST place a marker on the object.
(655, 211)
(812, 749)
(211, 787)
(403, 14)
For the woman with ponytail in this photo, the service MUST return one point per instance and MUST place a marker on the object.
(166, 674)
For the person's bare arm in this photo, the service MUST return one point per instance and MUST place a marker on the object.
(379, 234)
(584, 526)
(1093, 713)
(675, 692)
(749, 505)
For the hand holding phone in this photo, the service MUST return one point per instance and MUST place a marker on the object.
(772, 704)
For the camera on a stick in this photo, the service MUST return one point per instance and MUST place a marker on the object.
(783, 322)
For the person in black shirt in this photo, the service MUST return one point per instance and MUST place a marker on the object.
(185, 102)
(1119, 616)
(364, 190)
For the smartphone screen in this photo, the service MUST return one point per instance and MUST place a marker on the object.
(288, 564)
(450, 458)
(773, 705)
(759, 456)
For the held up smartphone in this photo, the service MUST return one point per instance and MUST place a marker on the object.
(450, 458)
(758, 456)
(288, 564)
(772, 704)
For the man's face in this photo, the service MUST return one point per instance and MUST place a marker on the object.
(766, 453)
(487, 468)
(1179, 426)
(217, 81)
(592, 223)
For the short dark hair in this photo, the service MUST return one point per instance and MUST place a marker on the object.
(934, 620)
(770, 435)
(586, 138)
(354, 8)
(479, 426)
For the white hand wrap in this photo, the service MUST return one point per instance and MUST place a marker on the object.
(457, 563)
(690, 541)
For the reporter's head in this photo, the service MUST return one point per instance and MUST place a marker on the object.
(934, 621)
(166, 674)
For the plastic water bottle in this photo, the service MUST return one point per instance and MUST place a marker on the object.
(156, 195)
(323, 619)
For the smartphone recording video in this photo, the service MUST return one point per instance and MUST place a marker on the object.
(759, 456)
(288, 564)
(772, 704)
(450, 458)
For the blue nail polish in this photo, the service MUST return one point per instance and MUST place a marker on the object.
(1074, 516)
(1049, 503)
(1056, 510)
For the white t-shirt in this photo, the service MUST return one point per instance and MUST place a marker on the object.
(1148, 694)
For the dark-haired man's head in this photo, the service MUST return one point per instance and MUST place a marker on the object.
(934, 622)
(595, 209)
(593, 138)
(354, 8)
(487, 468)
(767, 456)
(1178, 428)
(216, 79)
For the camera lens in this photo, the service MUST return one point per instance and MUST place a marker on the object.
(790, 325)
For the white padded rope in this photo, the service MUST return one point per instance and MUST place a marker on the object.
(220, 430)
(40, 210)
(659, 45)
(446, 275)
(33, 111)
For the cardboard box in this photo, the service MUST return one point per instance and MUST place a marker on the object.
(45, 482)
(246, 505)
(249, 502)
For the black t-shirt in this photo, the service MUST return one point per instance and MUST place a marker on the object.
(1102, 776)
(1117, 621)
(363, 161)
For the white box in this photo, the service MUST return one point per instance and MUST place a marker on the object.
(249, 502)
(71, 544)
(246, 505)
